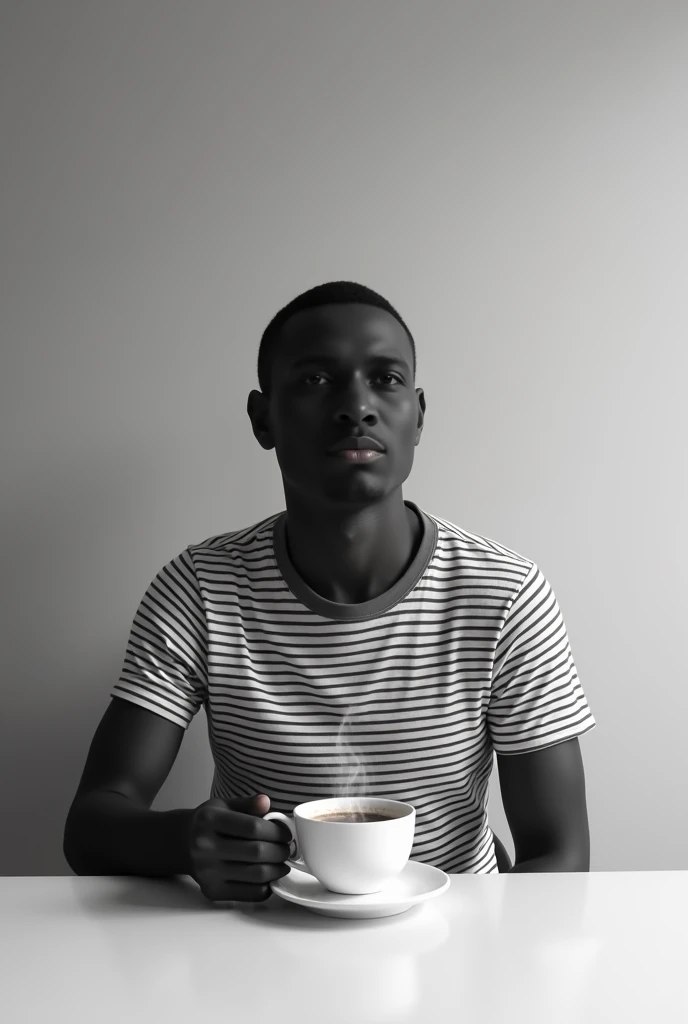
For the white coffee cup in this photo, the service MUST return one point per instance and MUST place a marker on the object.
(350, 857)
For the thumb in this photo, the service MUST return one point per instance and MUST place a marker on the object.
(258, 804)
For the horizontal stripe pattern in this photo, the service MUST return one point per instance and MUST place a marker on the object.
(408, 703)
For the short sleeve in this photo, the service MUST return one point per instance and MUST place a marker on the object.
(165, 665)
(536, 698)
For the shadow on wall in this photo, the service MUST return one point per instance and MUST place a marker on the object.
(66, 621)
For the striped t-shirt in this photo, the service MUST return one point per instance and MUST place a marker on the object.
(404, 696)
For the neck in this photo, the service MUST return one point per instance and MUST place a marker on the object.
(350, 556)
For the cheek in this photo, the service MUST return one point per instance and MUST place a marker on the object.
(296, 441)
(409, 424)
(290, 416)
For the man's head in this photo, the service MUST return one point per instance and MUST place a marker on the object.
(338, 361)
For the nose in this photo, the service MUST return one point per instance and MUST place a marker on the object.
(354, 404)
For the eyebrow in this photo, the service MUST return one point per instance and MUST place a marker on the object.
(322, 360)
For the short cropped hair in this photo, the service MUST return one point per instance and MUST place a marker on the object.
(322, 295)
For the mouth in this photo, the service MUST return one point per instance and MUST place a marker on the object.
(358, 442)
(356, 455)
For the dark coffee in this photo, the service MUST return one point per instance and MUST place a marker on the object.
(351, 816)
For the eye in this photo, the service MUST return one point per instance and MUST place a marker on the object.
(392, 376)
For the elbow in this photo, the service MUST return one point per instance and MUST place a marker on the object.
(74, 848)
(581, 863)
(573, 850)
(82, 863)
(73, 860)
(575, 857)
(71, 853)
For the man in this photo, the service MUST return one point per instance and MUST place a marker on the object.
(435, 647)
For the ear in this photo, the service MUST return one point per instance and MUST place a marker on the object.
(258, 411)
(421, 413)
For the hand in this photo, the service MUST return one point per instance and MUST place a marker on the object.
(234, 854)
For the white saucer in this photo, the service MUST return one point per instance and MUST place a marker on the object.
(417, 882)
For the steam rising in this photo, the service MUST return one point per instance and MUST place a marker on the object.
(353, 781)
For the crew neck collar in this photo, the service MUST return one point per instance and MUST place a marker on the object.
(364, 609)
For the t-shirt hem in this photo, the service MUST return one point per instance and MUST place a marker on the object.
(177, 717)
(531, 747)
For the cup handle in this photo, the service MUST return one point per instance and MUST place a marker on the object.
(294, 860)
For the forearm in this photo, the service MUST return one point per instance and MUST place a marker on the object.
(550, 862)
(108, 834)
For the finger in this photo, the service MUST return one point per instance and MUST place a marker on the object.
(253, 874)
(261, 803)
(218, 888)
(247, 851)
(237, 825)
(237, 893)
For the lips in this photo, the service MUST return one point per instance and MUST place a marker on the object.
(357, 443)
(359, 455)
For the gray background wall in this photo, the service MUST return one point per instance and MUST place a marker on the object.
(511, 176)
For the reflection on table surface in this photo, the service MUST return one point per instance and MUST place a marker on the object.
(546, 949)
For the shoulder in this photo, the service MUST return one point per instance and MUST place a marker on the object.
(197, 563)
(234, 543)
(490, 561)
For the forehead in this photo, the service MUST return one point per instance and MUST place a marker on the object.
(342, 331)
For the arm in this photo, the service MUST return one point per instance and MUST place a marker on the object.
(543, 793)
(110, 828)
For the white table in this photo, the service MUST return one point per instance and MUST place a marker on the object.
(542, 949)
